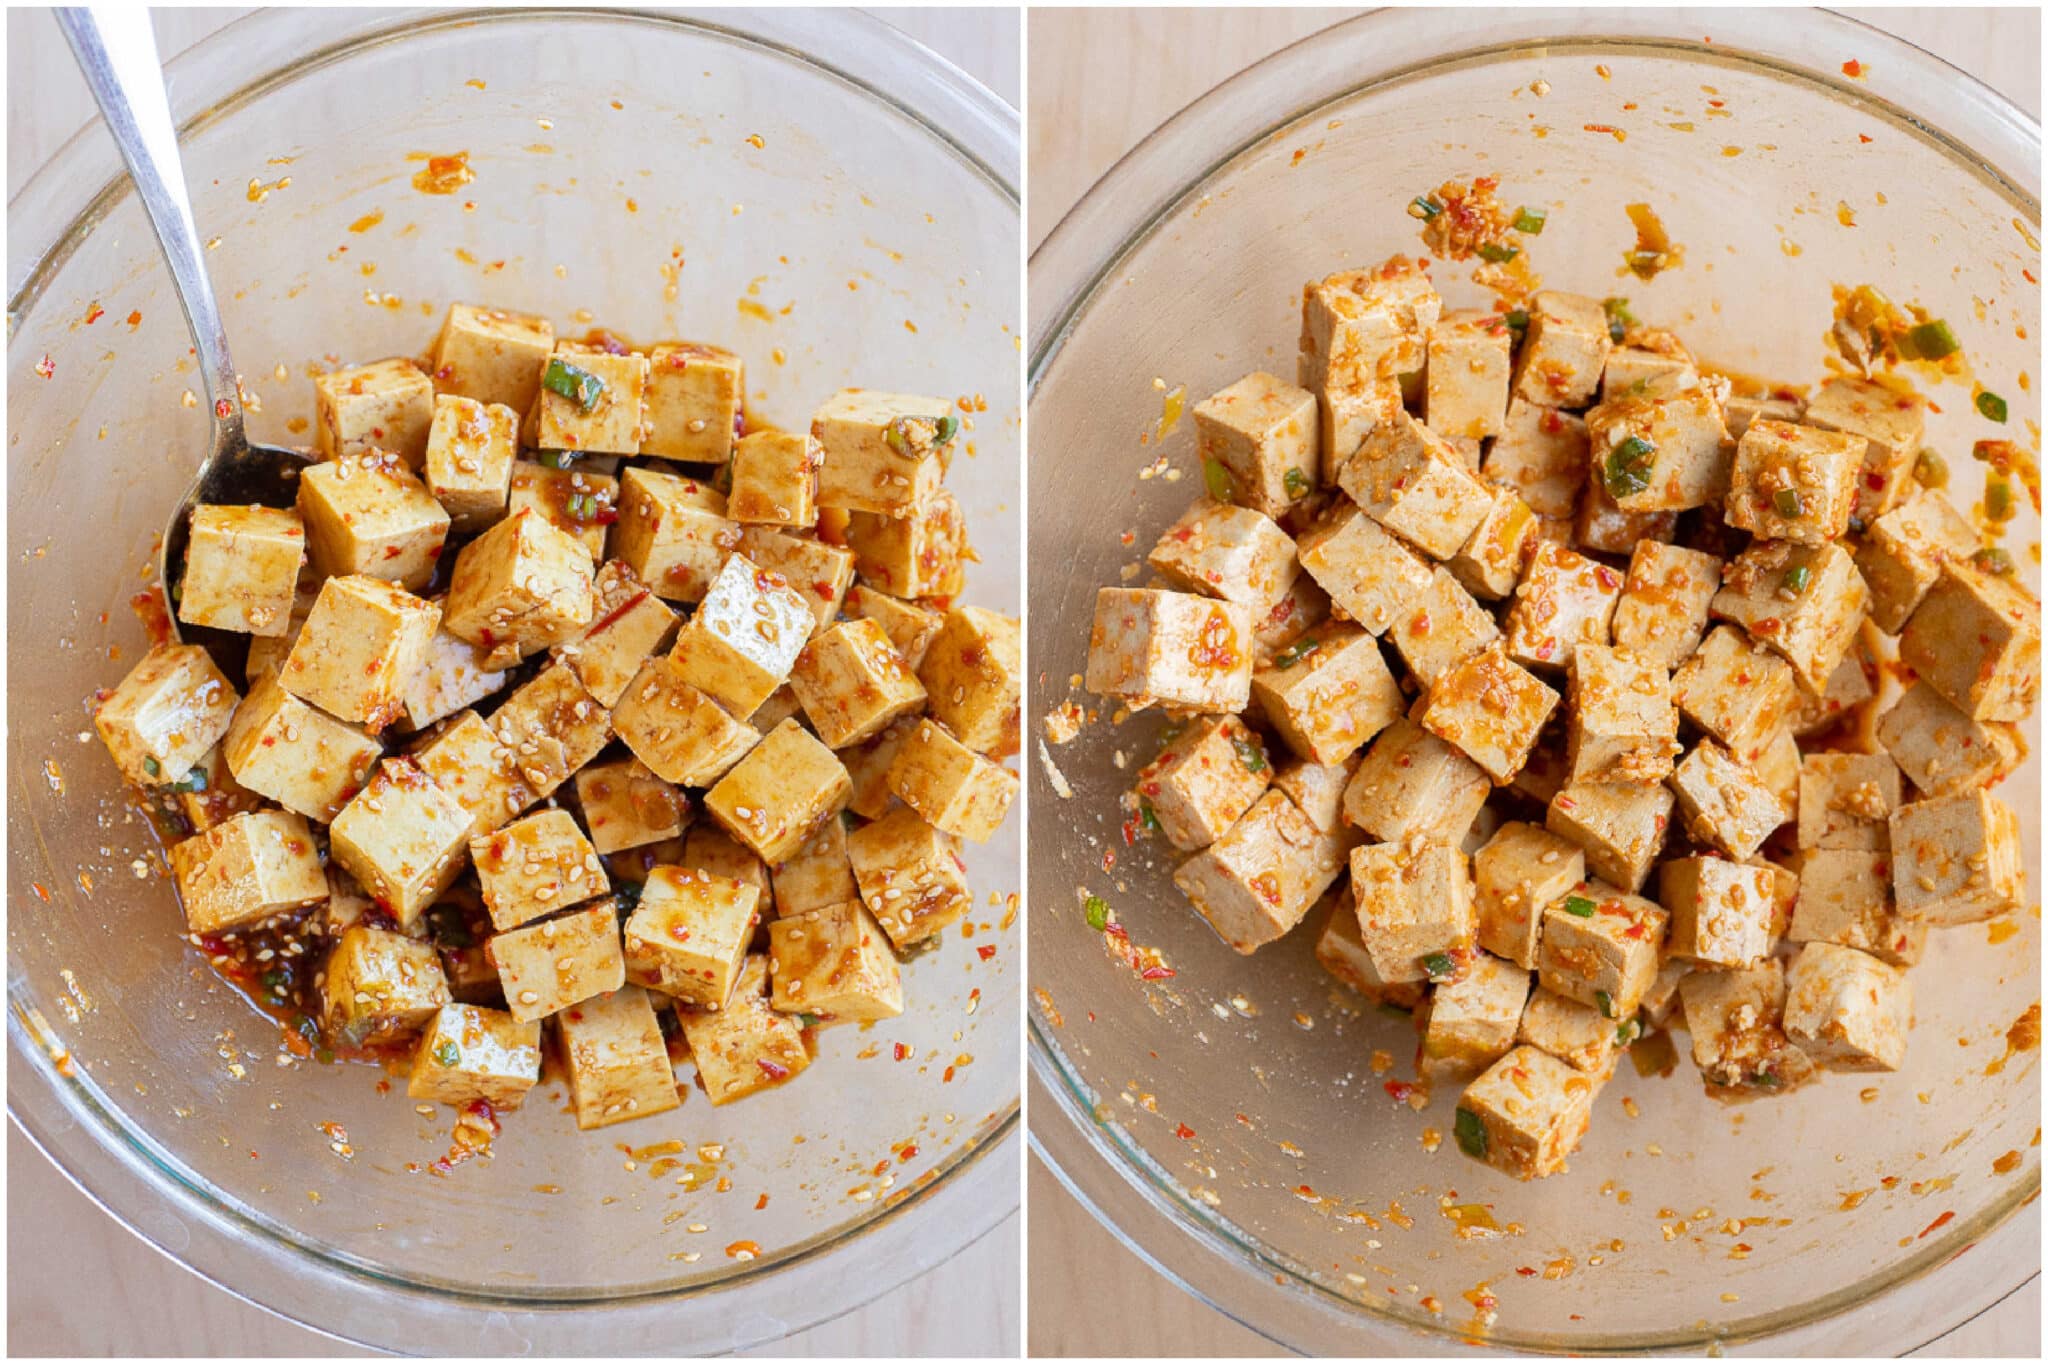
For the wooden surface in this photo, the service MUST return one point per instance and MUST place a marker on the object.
(105, 1292)
(1102, 79)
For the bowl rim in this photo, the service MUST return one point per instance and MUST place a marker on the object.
(1138, 1201)
(117, 1166)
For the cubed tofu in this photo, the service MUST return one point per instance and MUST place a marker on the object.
(749, 1045)
(626, 806)
(819, 572)
(380, 986)
(1440, 627)
(1368, 572)
(1661, 450)
(1361, 331)
(1777, 767)
(470, 453)
(1940, 749)
(696, 925)
(591, 401)
(1411, 784)
(1328, 693)
(1472, 1019)
(1976, 639)
(482, 774)
(775, 797)
(708, 848)
(672, 532)
(681, 734)
(1722, 912)
(360, 647)
(615, 1058)
(1600, 946)
(1564, 351)
(1527, 1112)
(1260, 436)
(1541, 453)
(536, 866)
(387, 405)
(910, 875)
(1724, 802)
(909, 626)
(1564, 599)
(574, 498)
(742, 641)
(1416, 486)
(1204, 779)
(1342, 954)
(1183, 651)
(1892, 421)
(242, 569)
(1736, 691)
(295, 754)
(492, 356)
(1737, 1022)
(1415, 909)
(1578, 1035)
(1901, 555)
(523, 583)
(853, 684)
(1317, 789)
(694, 402)
(1804, 602)
(1740, 409)
(1794, 482)
(369, 514)
(1491, 708)
(775, 479)
(1620, 825)
(173, 706)
(1258, 880)
(628, 624)
(950, 785)
(973, 671)
(1957, 859)
(213, 796)
(1600, 527)
(551, 964)
(923, 553)
(1517, 873)
(1647, 357)
(1846, 800)
(1217, 549)
(868, 764)
(816, 875)
(267, 652)
(1491, 563)
(256, 866)
(1662, 612)
(883, 452)
(1848, 688)
(402, 837)
(1845, 897)
(469, 1054)
(454, 674)
(1622, 725)
(1847, 1010)
(1466, 381)
(1305, 607)
(833, 963)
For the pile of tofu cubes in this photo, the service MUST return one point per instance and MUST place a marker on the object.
(533, 593)
(1554, 644)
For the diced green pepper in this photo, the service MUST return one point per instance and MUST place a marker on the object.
(1991, 405)
(1471, 1133)
(1931, 341)
(1218, 480)
(1797, 577)
(572, 382)
(1531, 220)
(1628, 467)
(1249, 754)
(1998, 502)
(1788, 502)
(1499, 255)
(1097, 910)
(1580, 906)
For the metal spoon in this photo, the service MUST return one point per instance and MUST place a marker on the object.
(116, 50)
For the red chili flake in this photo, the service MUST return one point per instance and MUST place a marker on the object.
(1853, 69)
(46, 367)
(1526, 1271)
(94, 314)
(1108, 859)
(986, 951)
(135, 318)
(1130, 828)
(223, 409)
(906, 1151)
(1157, 973)
(42, 891)
(1936, 1223)
(1865, 137)
(776, 1071)
(1183, 1132)
(1874, 481)
(761, 1203)
(1400, 1091)
(902, 1052)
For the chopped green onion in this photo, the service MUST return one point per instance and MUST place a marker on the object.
(1628, 468)
(1993, 559)
(556, 459)
(1932, 341)
(1295, 653)
(1606, 1003)
(446, 1053)
(1439, 966)
(573, 382)
(1991, 405)
(1767, 1079)
(1930, 469)
(1619, 319)
(579, 506)
(1998, 500)
(1580, 906)
(152, 767)
(1148, 817)
(1531, 220)
(1499, 255)
(893, 437)
(1517, 321)
(194, 781)
(1218, 479)
(949, 426)
(1788, 502)
(1626, 1032)
(808, 1020)
(1424, 207)
(1249, 754)
(1797, 577)
(1471, 1133)
(1294, 481)
(1097, 910)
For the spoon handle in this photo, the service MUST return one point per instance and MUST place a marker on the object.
(116, 49)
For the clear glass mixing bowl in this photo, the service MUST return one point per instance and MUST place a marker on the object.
(868, 237)
(1316, 1217)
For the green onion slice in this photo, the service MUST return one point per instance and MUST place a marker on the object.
(1531, 220)
(1628, 467)
(1789, 504)
(1499, 255)
(1097, 910)
(1797, 577)
(1992, 406)
(1471, 1133)
(1218, 480)
(1580, 906)
(572, 382)
(1932, 341)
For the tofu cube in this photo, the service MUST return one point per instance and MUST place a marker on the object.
(1216, 549)
(1305, 607)
(1318, 789)
(627, 806)
(616, 1061)
(173, 706)
(1440, 628)
(1794, 482)
(1737, 1022)
(1940, 749)
(470, 452)
(868, 764)
(1542, 453)
(379, 986)
(576, 500)
(1724, 802)
(909, 626)
(361, 645)
(242, 569)
(1466, 382)
(1845, 897)
(1366, 570)
(1620, 825)
(1601, 946)
(369, 514)
(1599, 526)
(950, 785)
(1342, 954)
(672, 532)
(1564, 351)
(1722, 913)
(1622, 723)
(523, 583)
(480, 773)
(1736, 691)
(1648, 358)
(1416, 486)
(553, 726)
(1848, 688)
(1187, 652)
(1846, 800)
(853, 684)
(591, 401)
(1328, 693)
(696, 926)
(1957, 859)
(1260, 435)
(1659, 451)
(694, 402)
(1518, 872)
(403, 838)
(258, 865)
(468, 1054)
(817, 875)
(1491, 563)
(818, 572)
(628, 625)
(1662, 612)
(776, 797)
(1578, 1035)
(387, 405)
(1472, 1019)
(1415, 909)
(775, 479)
(298, 756)
(708, 848)
(883, 452)
(492, 356)
(1892, 422)
(923, 553)
(1528, 1111)
(1491, 708)
(742, 641)
(973, 673)
(1777, 767)
(1901, 555)
(1802, 601)
(1361, 331)
(1411, 784)
(1976, 639)
(454, 674)
(833, 963)
(1741, 409)
(910, 876)
(534, 867)
(1563, 599)
(682, 735)
(1259, 880)
(550, 964)
(1202, 781)
(1846, 1010)
(748, 1046)
(218, 798)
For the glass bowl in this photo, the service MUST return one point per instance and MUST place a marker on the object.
(812, 189)
(1231, 1123)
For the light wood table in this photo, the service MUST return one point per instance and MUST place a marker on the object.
(1101, 80)
(107, 1293)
